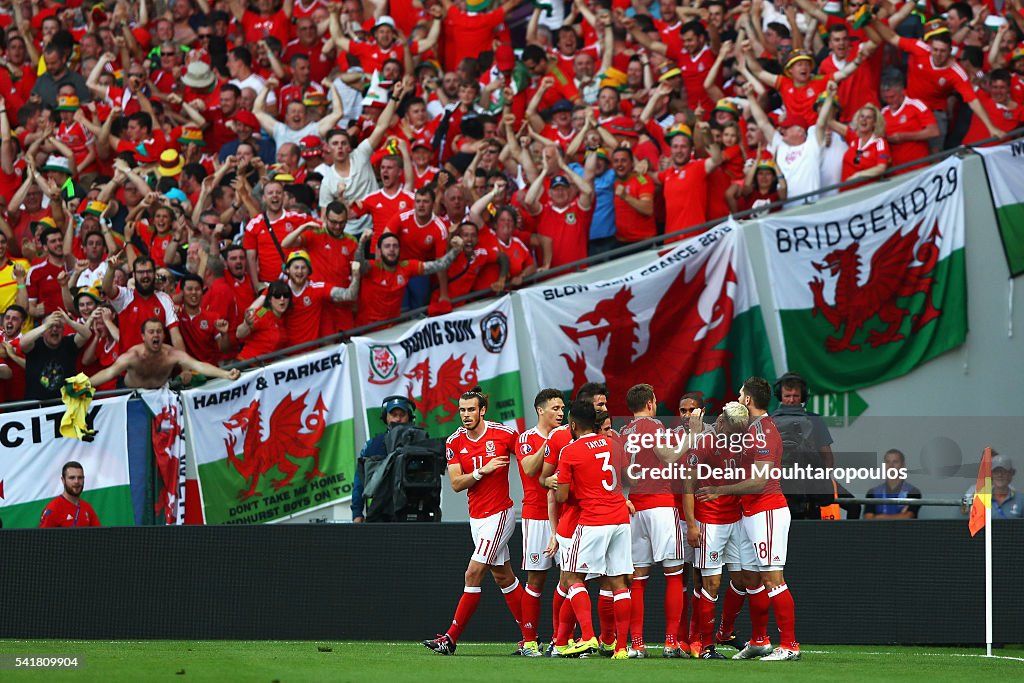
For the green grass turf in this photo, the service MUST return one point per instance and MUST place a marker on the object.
(231, 661)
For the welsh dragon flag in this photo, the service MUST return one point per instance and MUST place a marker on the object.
(32, 454)
(1004, 166)
(868, 292)
(687, 321)
(276, 442)
(437, 360)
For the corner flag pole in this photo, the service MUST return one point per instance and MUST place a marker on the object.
(988, 580)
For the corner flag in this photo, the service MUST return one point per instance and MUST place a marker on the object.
(982, 494)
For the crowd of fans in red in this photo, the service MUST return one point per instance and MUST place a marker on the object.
(262, 176)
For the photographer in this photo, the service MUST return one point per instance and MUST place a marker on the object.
(806, 442)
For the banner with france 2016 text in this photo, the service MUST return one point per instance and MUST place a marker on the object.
(688, 320)
(33, 452)
(867, 292)
(440, 358)
(275, 442)
(1004, 166)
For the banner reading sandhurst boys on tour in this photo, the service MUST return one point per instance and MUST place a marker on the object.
(439, 359)
(868, 292)
(686, 321)
(33, 452)
(275, 442)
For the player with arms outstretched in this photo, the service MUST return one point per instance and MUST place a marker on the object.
(478, 457)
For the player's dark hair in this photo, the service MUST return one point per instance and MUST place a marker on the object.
(337, 207)
(837, 28)
(478, 394)
(158, 321)
(19, 310)
(694, 27)
(388, 235)
(71, 465)
(1001, 75)
(142, 260)
(693, 396)
(534, 53)
(638, 396)
(545, 395)
(45, 234)
(583, 413)
(600, 416)
(759, 391)
(592, 389)
(427, 191)
(963, 9)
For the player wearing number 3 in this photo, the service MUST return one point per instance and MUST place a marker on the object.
(478, 456)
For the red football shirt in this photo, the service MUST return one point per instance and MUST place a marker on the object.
(382, 208)
(591, 467)
(861, 155)
(371, 55)
(695, 70)
(569, 511)
(381, 290)
(257, 237)
(1003, 118)
(681, 186)
(766, 450)
(302, 319)
(60, 512)
(725, 509)
(268, 334)
(535, 496)
(468, 34)
(568, 228)
(44, 287)
(800, 101)
(649, 491)
(631, 225)
(910, 117)
(489, 496)
(133, 309)
(258, 27)
(200, 335)
(419, 242)
(930, 84)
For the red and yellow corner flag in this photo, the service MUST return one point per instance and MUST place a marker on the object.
(982, 494)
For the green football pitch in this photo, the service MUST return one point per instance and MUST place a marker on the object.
(284, 662)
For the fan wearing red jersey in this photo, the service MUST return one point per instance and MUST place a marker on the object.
(656, 532)
(537, 529)
(591, 469)
(685, 179)
(713, 528)
(766, 526)
(478, 455)
(562, 219)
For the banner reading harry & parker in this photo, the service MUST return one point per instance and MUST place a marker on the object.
(687, 321)
(33, 452)
(276, 442)
(868, 292)
(439, 359)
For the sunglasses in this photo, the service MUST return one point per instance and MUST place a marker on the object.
(161, 278)
(279, 296)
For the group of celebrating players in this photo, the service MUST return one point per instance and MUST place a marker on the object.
(576, 513)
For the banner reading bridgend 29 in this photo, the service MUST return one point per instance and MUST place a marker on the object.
(276, 442)
(33, 452)
(868, 292)
(1004, 166)
(438, 360)
(687, 321)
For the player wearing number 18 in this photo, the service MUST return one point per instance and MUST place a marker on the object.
(590, 468)
(478, 457)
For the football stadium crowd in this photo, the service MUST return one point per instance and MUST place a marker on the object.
(260, 176)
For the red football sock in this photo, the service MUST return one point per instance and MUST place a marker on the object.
(785, 615)
(623, 616)
(514, 599)
(467, 605)
(580, 599)
(758, 614)
(636, 619)
(707, 618)
(566, 622)
(531, 611)
(694, 631)
(606, 613)
(556, 610)
(731, 606)
(674, 590)
(682, 629)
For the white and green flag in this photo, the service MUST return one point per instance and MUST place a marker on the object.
(439, 359)
(868, 292)
(33, 452)
(689, 320)
(1004, 166)
(276, 442)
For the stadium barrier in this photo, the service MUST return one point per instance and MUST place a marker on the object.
(854, 582)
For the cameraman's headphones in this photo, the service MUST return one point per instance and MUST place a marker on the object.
(396, 401)
(791, 378)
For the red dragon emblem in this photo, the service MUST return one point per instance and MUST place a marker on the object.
(284, 439)
(894, 274)
(444, 393)
(689, 321)
(166, 433)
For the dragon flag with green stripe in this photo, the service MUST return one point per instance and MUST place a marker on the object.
(33, 452)
(1004, 166)
(688, 320)
(867, 292)
(437, 360)
(276, 442)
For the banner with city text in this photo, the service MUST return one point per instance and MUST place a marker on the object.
(276, 442)
(33, 452)
(439, 359)
(868, 292)
(689, 320)
(1004, 166)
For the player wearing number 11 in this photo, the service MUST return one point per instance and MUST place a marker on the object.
(478, 456)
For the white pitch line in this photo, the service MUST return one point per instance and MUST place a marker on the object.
(920, 654)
